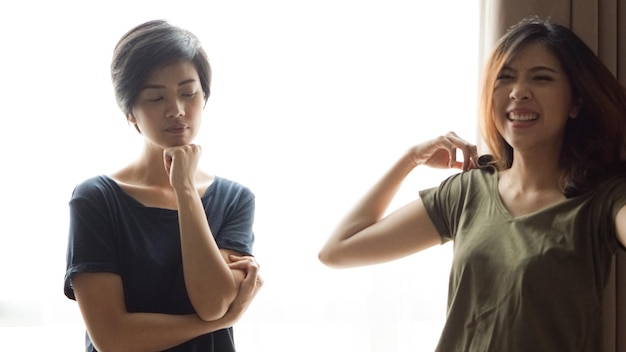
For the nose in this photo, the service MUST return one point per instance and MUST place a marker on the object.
(520, 92)
(175, 109)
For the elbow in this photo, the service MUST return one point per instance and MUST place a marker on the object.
(212, 314)
(212, 302)
(324, 257)
(216, 308)
(329, 258)
(340, 256)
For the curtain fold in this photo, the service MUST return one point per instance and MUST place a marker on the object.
(602, 25)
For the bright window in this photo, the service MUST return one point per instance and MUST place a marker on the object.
(311, 102)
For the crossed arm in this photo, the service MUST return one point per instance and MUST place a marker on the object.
(112, 328)
(220, 283)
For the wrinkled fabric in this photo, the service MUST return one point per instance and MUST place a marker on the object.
(112, 232)
(526, 283)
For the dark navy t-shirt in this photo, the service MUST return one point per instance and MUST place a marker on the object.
(110, 231)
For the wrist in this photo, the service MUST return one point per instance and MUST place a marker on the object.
(183, 185)
(410, 159)
(184, 191)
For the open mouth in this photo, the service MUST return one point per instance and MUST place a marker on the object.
(522, 117)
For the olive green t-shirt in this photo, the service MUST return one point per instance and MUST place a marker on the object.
(527, 283)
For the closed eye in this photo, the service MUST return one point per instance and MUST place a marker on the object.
(544, 78)
(504, 75)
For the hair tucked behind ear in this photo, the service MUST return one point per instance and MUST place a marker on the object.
(594, 141)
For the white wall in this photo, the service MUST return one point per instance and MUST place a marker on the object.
(311, 101)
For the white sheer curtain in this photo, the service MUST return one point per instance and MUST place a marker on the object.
(311, 102)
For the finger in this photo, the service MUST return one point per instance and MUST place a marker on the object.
(250, 281)
(469, 155)
(452, 143)
(241, 265)
(168, 157)
(474, 157)
(453, 163)
(244, 264)
(167, 163)
(237, 258)
(170, 152)
(469, 152)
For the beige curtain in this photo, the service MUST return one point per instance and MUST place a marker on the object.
(602, 25)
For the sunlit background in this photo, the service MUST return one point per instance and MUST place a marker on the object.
(311, 102)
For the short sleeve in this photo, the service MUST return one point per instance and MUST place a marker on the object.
(442, 204)
(237, 233)
(609, 199)
(230, 212)
(91, 246)
(447, 204)
(430, 198)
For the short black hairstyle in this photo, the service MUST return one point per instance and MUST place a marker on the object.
(148, 46)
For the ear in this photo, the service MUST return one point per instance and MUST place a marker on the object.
(575, 109)
(132, 120)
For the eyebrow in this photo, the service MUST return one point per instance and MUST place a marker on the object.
(158, 86)
(532, 69)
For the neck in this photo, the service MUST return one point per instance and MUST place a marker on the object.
(537, 172)
(149, 167)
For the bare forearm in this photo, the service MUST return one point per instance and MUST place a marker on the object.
(150, 331)
(111, 327)
(376, 201)
(372, 207)
(210, 283)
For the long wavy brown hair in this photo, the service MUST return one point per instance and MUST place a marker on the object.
(594, 144)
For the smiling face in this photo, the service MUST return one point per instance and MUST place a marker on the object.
(532, 100)
(168, 109)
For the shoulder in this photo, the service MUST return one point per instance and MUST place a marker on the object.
(228, 194)
(476, 179)
(457, 190)
(604, 202)
(612, 192)
(94, 186)
(94, 197)
(225, 187)
(475, 176)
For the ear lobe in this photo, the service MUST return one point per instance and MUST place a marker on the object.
(132, 120)
(575, 110)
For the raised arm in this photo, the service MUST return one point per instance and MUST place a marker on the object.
(365, 237)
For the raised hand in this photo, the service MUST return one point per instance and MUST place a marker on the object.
(181, 163)
(441, 153)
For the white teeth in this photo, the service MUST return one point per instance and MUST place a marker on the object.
(522, 117)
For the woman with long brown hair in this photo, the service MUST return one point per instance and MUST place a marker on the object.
(536, 222)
